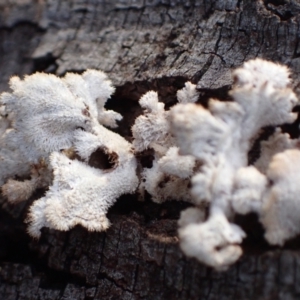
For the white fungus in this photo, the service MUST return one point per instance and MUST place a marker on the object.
(221, 137)
(52, 117)
(52, 135)
(169, 177)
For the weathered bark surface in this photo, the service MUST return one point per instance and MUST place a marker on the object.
(142, 45)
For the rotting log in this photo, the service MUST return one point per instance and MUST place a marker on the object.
(143, 45)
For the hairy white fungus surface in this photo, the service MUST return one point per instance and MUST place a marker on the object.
(152, 127)
(213, 242)
(169, 176)
(277, 143)
(220, 138)
(52, 135)
(46, 117)
(81, 194)
(45, 111)
(281, 204)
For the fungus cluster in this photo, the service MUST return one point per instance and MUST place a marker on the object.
(54, 135)
(53, 127)
(170, 174)
(221, 137)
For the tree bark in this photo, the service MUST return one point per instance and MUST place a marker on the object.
(143, 45)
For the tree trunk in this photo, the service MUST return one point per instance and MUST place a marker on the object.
(143, 45)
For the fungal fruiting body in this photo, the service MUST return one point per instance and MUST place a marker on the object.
(220, 137)
(46, 118)
(169, 176)
(53, 135)
(81, 194)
